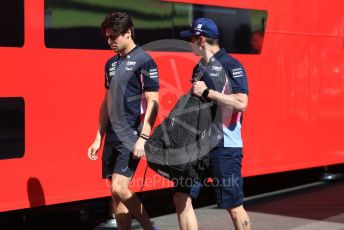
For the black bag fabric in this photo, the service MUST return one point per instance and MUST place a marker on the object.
(179, 146)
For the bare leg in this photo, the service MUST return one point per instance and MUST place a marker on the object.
(240, 218)
(121, 192)
(185, 212)
(123, 217)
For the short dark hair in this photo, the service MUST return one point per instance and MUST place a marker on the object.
(119, 22)
(212, 41)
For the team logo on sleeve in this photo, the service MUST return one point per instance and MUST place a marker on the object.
(153, 73)
(112, 69)
(238, 72)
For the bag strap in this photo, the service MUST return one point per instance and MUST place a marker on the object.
(189, 94)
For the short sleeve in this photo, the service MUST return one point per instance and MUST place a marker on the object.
(150, 75)
(106, 76)
(237, 78)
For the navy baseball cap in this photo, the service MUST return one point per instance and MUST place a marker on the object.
(202, 27)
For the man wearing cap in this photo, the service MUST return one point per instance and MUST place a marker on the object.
(223, 82)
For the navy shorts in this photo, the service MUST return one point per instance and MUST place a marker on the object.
(228, 182)
(118, 158)
(225, 171)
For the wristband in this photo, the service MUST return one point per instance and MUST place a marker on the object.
(205, 94)
(144, 136)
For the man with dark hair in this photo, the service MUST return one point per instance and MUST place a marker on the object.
(127, 115)
(223, 82)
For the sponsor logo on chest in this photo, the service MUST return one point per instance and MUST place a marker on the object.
(216, 68)
(214, 74)
(129, 66)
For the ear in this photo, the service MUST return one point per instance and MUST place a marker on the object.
(128, 34)
(201, 40)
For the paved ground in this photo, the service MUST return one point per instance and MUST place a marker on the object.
(316, 208)
(273, 202)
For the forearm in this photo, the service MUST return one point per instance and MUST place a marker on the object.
(103, 119)
(151, 112)
(238, 102)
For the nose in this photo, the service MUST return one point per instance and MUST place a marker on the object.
(193, 45)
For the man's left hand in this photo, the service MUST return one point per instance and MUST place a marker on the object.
(139, 148)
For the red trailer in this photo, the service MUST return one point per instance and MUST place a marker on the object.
(52, 82)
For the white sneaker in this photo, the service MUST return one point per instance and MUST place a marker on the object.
(155, 227)
(110, 223)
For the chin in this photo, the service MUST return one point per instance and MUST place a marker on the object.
(117, 49)
(197, 53)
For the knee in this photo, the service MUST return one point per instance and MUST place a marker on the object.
(237, 213)
(182, 202)
(234, 213)
(119, 191)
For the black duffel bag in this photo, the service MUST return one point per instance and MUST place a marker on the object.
(179, 146)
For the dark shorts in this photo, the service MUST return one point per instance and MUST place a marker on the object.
(225, 171)
(118, 158)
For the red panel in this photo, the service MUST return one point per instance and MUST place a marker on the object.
(294, 119)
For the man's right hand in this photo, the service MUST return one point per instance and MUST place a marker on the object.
(93, 149)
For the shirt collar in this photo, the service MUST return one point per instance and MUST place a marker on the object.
(214, 58)
(217, 55)
(130, 54)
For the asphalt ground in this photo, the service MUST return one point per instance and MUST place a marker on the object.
(293, 200)
(314, 206)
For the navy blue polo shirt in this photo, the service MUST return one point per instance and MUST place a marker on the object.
(126, 79)
(225, 74)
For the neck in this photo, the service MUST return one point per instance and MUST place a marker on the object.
(209, 52)
(129, 48)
